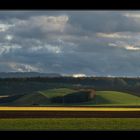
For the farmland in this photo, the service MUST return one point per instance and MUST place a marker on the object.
(56, 92)
(48, 104)
(68, 112)
(113, 98)
(61, 96)
(68, 109)
(71, 124)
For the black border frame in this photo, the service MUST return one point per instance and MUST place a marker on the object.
(70, 5)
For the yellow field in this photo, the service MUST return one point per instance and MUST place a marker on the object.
(67, 109)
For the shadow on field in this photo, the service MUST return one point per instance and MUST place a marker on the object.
(101, 100)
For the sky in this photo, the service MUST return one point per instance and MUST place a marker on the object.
(91, 43)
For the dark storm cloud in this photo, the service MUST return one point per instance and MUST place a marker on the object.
(68, 42)
(104, 21)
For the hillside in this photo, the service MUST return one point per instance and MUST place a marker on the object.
(29, 100)
(114, 98)
(60, 96)
(71, 97)
(56, 92)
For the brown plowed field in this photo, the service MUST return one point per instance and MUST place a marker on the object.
(69, 114)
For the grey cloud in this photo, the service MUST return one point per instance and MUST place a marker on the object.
(104, 21)
(76, 48)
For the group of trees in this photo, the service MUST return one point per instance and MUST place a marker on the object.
(76, 97)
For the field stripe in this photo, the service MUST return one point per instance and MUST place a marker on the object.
(69, 114)
(67, 109)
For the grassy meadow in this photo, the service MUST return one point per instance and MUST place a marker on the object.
(56, 92)
(114, 98)
(100, 124)
(102, 98)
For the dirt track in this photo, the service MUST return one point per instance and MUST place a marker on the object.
(69, 114)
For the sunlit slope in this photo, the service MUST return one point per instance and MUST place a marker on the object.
(41, 97)
(114, 98)
(56, 92)
(102, 98)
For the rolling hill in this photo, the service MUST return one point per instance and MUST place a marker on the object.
(114, 98)
(38, 98)
(73, 97)
(31, 99)
(56, 92)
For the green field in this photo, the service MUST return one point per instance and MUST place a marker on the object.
(102, 98)
(31, 99)
(56, 92)
(114, 98)
(41, 97)
(71, 124)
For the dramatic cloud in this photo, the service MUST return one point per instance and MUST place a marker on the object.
(23, 67)
(114, 35)
(80, 43)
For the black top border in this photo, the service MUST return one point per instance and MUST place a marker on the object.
(70, 5)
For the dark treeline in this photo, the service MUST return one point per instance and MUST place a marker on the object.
(75, 97)
(30, 85)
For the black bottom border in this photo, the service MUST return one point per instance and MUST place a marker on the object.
(70, 135)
